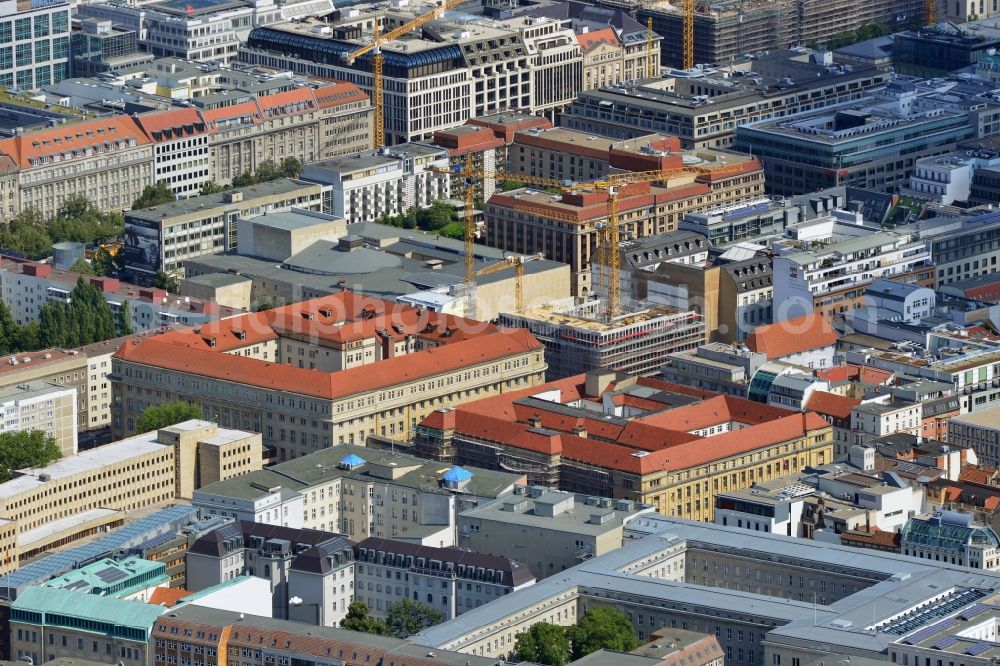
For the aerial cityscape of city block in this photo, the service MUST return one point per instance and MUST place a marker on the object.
(489, 332)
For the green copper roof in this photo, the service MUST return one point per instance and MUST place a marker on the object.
(111, 578)
(52, 606)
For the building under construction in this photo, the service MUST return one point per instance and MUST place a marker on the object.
(579, 338)
(728, 29)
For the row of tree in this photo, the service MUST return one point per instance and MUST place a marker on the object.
(84, 319)
(439, 218)
(864, 33)
(402, 619)
(601, 628)
(76, 220)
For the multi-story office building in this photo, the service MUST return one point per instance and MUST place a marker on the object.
(27, 285)
(943, 48)
(668, 446)
(727, 30)
(330, 370)
(126, 578)
(80, 494)
(567, 228)
(359, 492)
(874, 419)
(107, 160)
(948, 536)
(846, 144)
(52, 366)
(801, 597)
(34, 44)
(365, 186)
(704, 107)
(579, 338)
(615, 46)
(963, 247)
(980, 431)
(548, 530)
(44, 406)
(180, 153)
(98, 46)
(832, 279)
(562, 154)
(206, 633)
(445, 76)
(450, 580)
(211, 32)
(48, 623)
(164, 237)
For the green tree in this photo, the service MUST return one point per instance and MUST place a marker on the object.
(163, 280)
(245, 179)
(104, 264)
(211, 187)
(408, 617)
(166, 415)
(26, 233)
(9, 330)
(453, 230)
(601, 628)
(543, 643)
(83, 267)
(437, 216)
(28, 338)
(27, 448)
(154, 195)
(290, 167)
(123, 319)
(53, 325)
(267, 303)
(267, 171)
(359, 619)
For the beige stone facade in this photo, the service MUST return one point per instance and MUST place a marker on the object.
(73, 494)
(49, 365)
(276, 372)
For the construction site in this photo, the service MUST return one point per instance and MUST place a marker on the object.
(727, 30)
(583, 338)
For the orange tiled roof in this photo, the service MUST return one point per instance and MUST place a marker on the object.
(831, 404)
(168, 596)
(199, 351)
(337, 93)
(591, 40)
(792, 336)
(171, 124)
(102, 134)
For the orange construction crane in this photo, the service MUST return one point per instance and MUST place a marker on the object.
(930, 9)
(378, 86)
(517, 262)
(689, 9)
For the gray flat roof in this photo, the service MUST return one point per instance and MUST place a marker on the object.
(218, 200)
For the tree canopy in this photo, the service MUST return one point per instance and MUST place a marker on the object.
(83, 267)
(543, 643)
(409, 617)
(28, 448)
(166, 415)
(267, 171)
(602, 627)
(77, 219)
(358, 618)
(154, 195)
(439, 217)
(163, 280)
(86, 318)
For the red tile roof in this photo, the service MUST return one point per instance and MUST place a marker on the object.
(831, 404)
(167, 596)
(198, 351)
(78, 137)
(337, 93)
(172, 124)
(655, 442)
(590, 40)
(792, 336)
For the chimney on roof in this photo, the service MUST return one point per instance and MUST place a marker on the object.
(535, 421)
(580, 431)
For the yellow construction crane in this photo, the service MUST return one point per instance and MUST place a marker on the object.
(650, 65)
(930, 8)
(689, 8)
(517, 262)
(611, 184)
(378, 89)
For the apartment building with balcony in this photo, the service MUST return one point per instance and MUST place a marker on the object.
(832, 278)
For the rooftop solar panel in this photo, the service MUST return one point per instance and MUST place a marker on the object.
(111, 575)
(978, 648)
